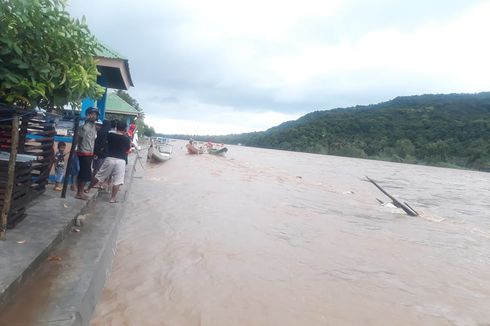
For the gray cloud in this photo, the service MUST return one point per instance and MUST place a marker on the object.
(176, 67)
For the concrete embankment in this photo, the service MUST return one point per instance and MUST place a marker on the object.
(55, 263)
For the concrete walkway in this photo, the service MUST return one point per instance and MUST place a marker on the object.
(52, 272)
(48, 221)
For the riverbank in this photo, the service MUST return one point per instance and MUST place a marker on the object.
(57, 259)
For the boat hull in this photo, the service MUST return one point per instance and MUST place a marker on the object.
(220, 151)
(160, 157)
(157, 156)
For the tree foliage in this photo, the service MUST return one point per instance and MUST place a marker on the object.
(142, 127)
(147, 130)
(129, 99)
(46, 57)
(444, 130)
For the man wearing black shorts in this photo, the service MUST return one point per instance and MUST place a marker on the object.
(85, 151)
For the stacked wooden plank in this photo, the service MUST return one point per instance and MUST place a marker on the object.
(39, 142)
(36, 138)
(22, 177)
(20, 194)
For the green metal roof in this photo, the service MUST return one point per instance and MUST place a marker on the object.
(113, 67)
(116, 105)
(104, 51)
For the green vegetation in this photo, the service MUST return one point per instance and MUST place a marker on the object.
(142, 128)
(46, 57)
(129, 99)
(443, 130)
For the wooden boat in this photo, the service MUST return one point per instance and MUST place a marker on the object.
(165, 148)
(218, 151)
(156, 156)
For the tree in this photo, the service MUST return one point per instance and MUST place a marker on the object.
(141, 126)
(46, 57)
(404, 148)
(448, 130)
(129, 99)
(436, 151)
(148, 131)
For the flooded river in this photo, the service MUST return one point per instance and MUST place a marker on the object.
(264, 237)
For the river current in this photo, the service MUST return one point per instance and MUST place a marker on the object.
(265, 237)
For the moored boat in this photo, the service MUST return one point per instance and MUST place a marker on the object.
(157, 156)
(218, 151)
(159, 153)
(165, 148)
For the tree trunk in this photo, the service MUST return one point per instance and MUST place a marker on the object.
(10, 177)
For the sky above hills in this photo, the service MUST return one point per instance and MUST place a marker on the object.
(219, 67)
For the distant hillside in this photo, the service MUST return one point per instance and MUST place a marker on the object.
(444, 130)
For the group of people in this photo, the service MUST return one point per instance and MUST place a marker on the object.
(102, 151)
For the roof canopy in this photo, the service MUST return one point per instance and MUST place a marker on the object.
(116, 105)
(113, 68)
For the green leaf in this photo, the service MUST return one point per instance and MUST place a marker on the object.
(54, 55)
(12, 78)
(63, 80)
(5, 51)
(44, 70)
(17, 49)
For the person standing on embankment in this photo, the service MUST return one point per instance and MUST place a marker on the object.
(118, 144)
(100, 147)
(59, 169)
(85, 151)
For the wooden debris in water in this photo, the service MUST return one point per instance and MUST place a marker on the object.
(406, 207)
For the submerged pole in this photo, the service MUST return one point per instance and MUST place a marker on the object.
(409, 210)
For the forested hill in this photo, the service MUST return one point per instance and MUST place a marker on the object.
(447, 130)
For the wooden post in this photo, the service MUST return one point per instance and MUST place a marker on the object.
(23, 133)
(10, 177)
(409, 210)
(70, 157)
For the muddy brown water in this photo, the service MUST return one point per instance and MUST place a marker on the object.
(264, 237)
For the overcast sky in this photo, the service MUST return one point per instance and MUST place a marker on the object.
(224, 66)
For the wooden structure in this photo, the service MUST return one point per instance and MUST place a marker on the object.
(10, 178)
(20, 195)
(114, 73)
(31, 172)
(405, 206)
(38, 142)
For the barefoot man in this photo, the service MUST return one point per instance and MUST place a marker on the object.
(85, 151)
(118, 144)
